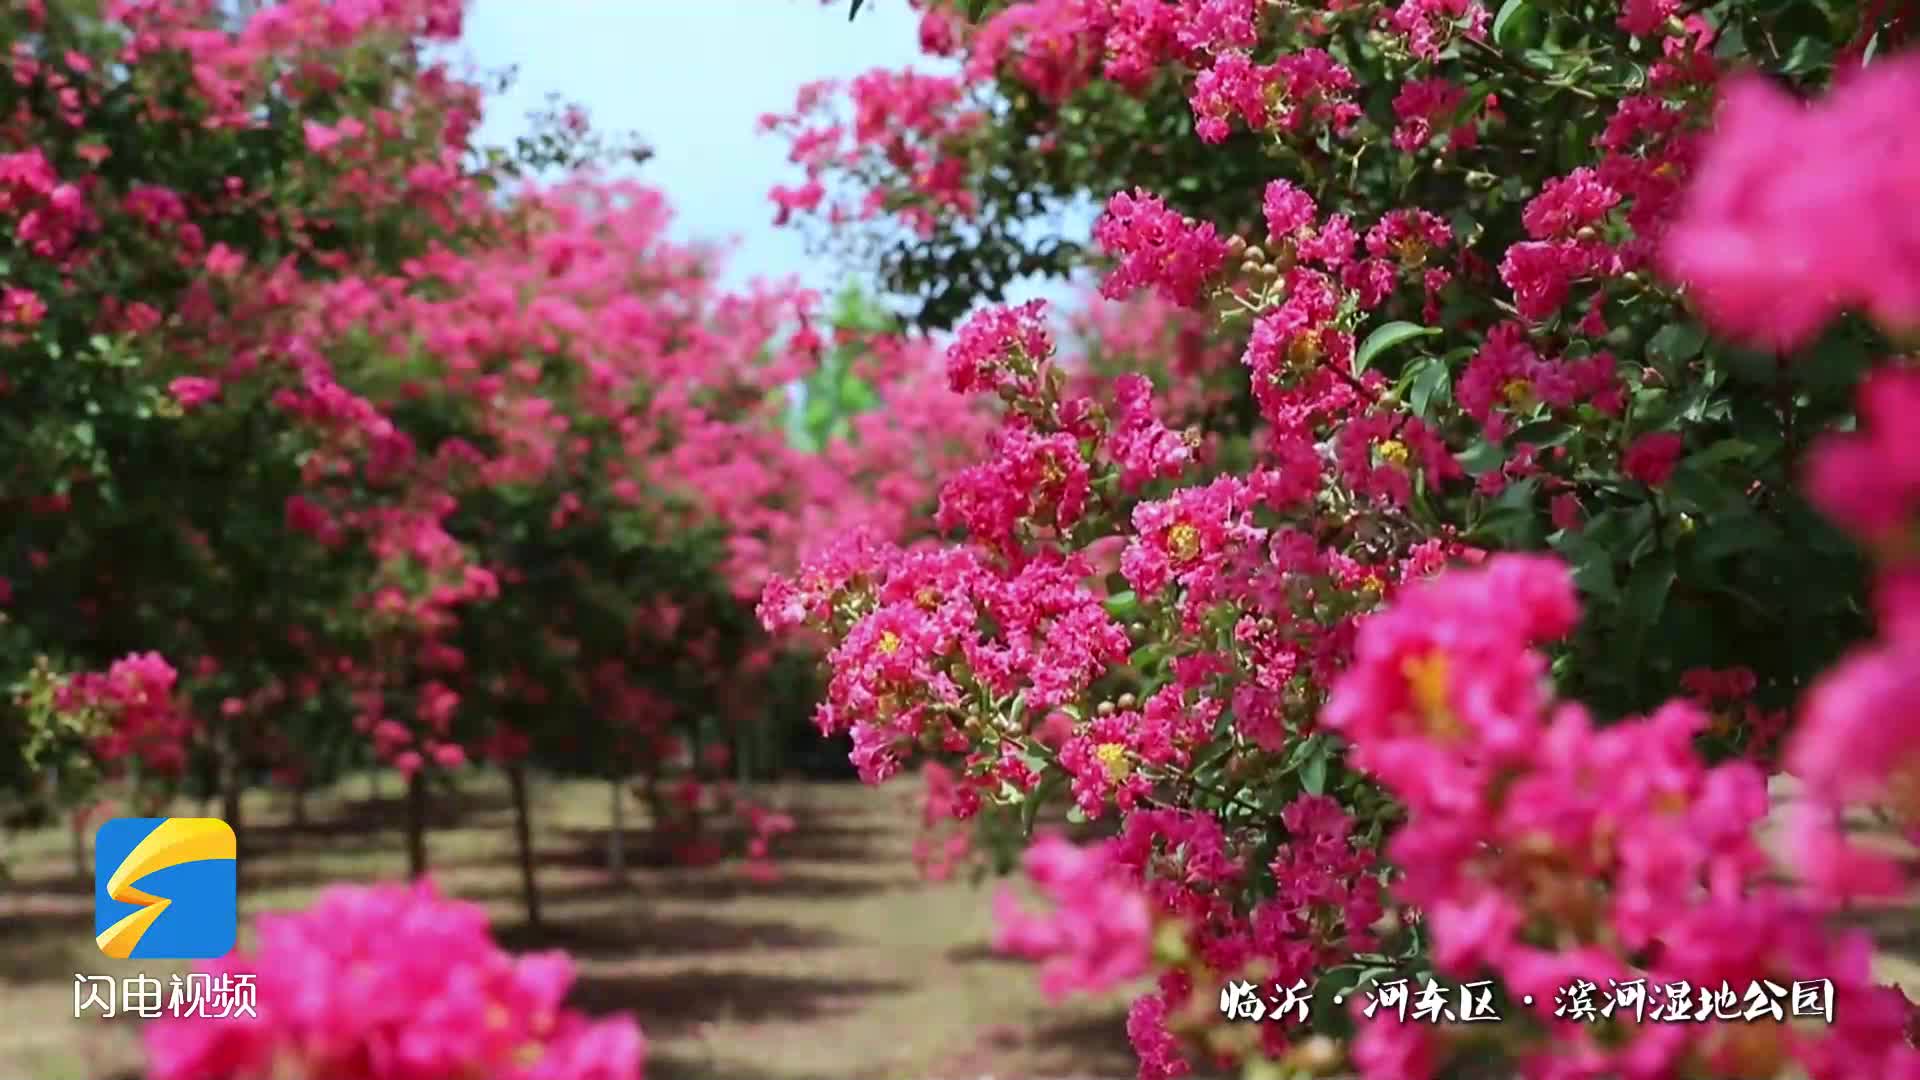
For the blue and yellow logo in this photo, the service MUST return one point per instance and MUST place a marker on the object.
(186, 905)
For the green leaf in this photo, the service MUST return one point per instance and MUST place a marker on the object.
(1514, 27)
(1386, 337)
(1017, 710)
(1123, 605)
(1434, 378)
(1592, 565)
(1733, 535)
(1511, 518)
(1646, 594)
(1544, 434)
(1724, 450)
(1313, 775)
(1678, 342)
(1482, 457)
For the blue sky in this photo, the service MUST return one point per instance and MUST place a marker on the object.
(692, 78)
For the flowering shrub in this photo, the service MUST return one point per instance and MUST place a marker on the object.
(1465, 634)
(393, 982)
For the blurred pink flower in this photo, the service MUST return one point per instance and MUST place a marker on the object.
(1098, 937)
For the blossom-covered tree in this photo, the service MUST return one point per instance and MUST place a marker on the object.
(1462, 635)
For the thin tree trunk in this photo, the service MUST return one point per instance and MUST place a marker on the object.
(77, 826)
(373, 785)
(230, 791)
(523, 836)
(617, 835)
(417, 824)
(300, 805)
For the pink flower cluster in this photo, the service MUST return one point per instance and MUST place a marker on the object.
(1773, 247)
(946, 806)
(909, 121)
(393, 982)
(1857, 742)
(1565, 222)
(1100, 934)
(1293, 92)
(913, 666)
(139, 701)
(1158, 249)
(1544, 848)
(1507, 381)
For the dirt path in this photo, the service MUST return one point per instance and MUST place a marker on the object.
(846, 968)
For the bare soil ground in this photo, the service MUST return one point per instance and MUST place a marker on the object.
(848, 967)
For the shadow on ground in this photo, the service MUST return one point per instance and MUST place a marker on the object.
(976, 952)
(632, 929)
(39, 935)
(1088, 1045)
(791, 884)
(674, 1066)
(356, 819)
(699, 996)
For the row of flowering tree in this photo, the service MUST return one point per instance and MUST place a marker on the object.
(333, 440)
(1528, 484)
(330, 441)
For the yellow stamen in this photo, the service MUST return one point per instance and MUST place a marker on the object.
(928, 598)
(1113, 758)
(1518, 392)
(889, 642)
(1303, 351)
(1393, 451)
(1427, 681)
(1183, 541)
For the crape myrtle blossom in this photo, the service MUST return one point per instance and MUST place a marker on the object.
(1772, 249)
(916, 669)
(395, 982)
(1100, 935)
(1523, 814)
(1857, 742)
